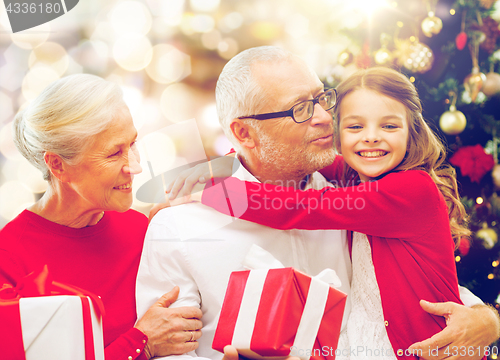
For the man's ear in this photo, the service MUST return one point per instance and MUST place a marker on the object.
(57, 167)
(243, 132)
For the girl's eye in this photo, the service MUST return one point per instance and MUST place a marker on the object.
(390, 126)
(354, 127)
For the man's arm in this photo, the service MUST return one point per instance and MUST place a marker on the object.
(468, 332)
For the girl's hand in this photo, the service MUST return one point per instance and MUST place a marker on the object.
(187, 181)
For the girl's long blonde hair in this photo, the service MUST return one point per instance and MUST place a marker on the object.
(425, 151)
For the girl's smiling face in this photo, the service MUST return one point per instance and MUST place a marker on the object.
(373, 132)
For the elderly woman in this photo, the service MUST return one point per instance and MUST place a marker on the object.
(80, 134)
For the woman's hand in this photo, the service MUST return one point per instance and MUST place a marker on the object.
(187, 181)
(170, 331)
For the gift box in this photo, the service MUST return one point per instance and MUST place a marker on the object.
(41, 319)
(278, 313)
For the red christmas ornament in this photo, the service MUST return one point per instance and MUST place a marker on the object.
(461, 40)
(473, 162)
(464, 246)
(363, 59)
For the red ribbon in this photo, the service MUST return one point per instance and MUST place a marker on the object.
(33, 285)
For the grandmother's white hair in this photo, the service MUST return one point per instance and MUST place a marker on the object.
(64, 118)
(237, 92)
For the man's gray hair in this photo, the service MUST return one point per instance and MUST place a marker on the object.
(237, 92)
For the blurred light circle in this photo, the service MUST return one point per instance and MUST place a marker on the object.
(92, 55)
(31, 177)
(31, 38)
(159, 150)
(171, 11)
(186, 24)
(265, 30)
(147, 113)
(6, 106)
(7, 146)
(228, 48)
(222, 145)
(133, 52)
(14, 196)
(104, 31)
(209, 116)
(131, 17)
(175, 102)
(37, 79)
(168, 64)
(133, 99)
(50, 54)
(297, 26)
(202, 23)
(231, 21)
(204, 5)
(211, 39)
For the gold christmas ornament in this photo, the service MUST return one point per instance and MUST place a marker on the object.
(345, 58)
(491, 85)
(383, 56)
(495, 174)
(431, 25)
(488, 236)
(453, 121)
(414, 55)
(474, 82)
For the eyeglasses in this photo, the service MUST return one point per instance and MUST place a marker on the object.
(302, 111)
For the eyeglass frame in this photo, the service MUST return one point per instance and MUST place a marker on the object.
(289, 113)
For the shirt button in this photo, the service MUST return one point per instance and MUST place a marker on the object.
(138, 351)
(143, 341)
(130, 358)
(386, 323)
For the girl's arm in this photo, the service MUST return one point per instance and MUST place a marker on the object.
(400, 205)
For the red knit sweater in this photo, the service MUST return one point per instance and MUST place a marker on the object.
(406, 219)
(102, 259)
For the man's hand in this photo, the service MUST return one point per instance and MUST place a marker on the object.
(230, 353)
(468, 332)
(170, 331)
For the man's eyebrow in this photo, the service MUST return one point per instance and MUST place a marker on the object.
(303, 97)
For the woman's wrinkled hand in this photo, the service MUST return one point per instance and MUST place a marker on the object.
(170, 331)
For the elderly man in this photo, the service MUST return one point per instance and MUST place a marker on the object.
(197, 248)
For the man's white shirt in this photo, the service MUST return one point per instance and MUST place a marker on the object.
(196, 248)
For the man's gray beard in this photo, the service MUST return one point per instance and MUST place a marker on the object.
(287, 162)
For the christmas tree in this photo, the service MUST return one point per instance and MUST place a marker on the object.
(450, 50)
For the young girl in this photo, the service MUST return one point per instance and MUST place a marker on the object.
(405, 213)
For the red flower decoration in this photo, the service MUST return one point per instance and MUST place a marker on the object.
(473, 162)
(464, 246)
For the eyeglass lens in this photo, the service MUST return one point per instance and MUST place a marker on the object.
(305, 110)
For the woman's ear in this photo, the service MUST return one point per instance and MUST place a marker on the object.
(244, 133)
(57, 167)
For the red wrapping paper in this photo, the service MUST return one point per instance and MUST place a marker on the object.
(39, 284)
(279, 313)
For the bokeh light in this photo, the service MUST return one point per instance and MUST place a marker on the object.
(133, 52)
(37, 79)
(168, 64)
(204, 5)
(50, 54)
(176, 101)
(131, 17)
(6, 105)
(15, 197)
(159, 151)
(202, 23)
(31, 38)
(228, 48)
(7, 146)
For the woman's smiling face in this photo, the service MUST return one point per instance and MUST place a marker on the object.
(103, 178)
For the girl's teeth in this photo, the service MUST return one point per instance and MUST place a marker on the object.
(372, 154)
